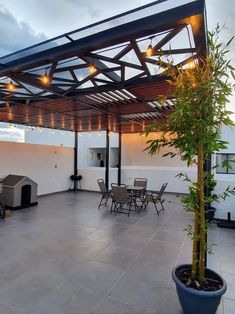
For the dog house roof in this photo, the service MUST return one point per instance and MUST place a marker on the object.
(13, 180)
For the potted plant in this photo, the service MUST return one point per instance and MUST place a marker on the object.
(193, 130)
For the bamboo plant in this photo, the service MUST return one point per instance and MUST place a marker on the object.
(193, 129)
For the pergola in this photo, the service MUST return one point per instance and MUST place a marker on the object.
(100, 77)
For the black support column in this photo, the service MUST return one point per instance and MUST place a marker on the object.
(75, 169)
(119, 158)
(107, 160)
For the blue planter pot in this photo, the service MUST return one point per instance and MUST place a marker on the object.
(196, 301)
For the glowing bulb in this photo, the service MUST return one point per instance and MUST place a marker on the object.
(149, 51)
(46, 80)
(99, 134)
(92, 69)
(10, 86)
(191, 65)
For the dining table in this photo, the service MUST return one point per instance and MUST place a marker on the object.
(135, 194)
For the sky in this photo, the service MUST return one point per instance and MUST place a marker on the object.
(24, 23)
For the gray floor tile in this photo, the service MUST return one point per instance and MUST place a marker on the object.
(96, 275)
(65, 256)
(229, 306)
(9, 309)
(68, 298)
(117, 256)
(111, 306)
(26, 289)
(168, 232)
(230, 280)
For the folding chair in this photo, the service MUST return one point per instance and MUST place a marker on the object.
(121, 200)
(105, 193)
(143, 183)
(155, 198)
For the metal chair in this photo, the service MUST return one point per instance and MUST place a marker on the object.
(155, 198)
(121, 200)
(105, 193)
(143, 183)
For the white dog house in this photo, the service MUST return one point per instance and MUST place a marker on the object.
(19, 192)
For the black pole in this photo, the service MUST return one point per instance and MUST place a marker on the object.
(107, 161)
(207, 168)
(119, 158)
(75, 170)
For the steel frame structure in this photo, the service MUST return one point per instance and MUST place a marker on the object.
(121, 94)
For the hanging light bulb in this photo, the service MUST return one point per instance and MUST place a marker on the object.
(10, 86)
(46, 79)
(92, 68)
(191, 65)
(149, 51)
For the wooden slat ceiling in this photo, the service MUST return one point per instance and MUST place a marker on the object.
(121, 94)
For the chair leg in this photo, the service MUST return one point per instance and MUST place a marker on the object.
(100, 204)
(163, 209)
(107, 198)
(155, 205)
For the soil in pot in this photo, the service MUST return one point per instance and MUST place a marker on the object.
(212, 281)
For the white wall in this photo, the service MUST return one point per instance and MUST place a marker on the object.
(49, 166)
(225, 180)
(92, 140)
(135, 163)
(157, 169)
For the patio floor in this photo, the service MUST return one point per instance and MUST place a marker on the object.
(65, 257)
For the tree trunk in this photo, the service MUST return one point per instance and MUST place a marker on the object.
(202, 224)
(195, 255)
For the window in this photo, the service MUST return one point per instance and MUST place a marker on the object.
(225, 158)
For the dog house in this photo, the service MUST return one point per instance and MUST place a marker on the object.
(19, 192)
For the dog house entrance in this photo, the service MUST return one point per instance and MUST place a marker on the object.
(26, 195)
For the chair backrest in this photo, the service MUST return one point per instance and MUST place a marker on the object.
(162, 190)
(102, 186)
(140, 182)
(119, 193)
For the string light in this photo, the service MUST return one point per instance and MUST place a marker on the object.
(10, 86)
(149, 51)
(11, 126)
(92, 68)
(191, 65)
(46, 80)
